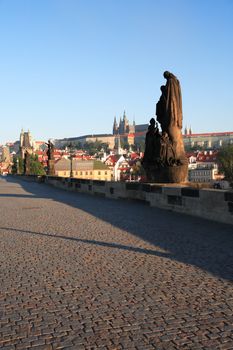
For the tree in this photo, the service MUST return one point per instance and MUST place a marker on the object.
(141, 146)
(17, 167)
(95, 147)
(225, 161)
(124, 145)
(36, 168)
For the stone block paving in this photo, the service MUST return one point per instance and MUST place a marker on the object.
(81, 272)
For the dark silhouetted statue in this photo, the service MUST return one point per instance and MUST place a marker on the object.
(168, 162)
(50, 151)
(26, 163)
(50, 154)
(152, 148)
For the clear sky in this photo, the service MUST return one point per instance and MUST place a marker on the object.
(67, 67)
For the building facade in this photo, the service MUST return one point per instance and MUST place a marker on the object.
(208, 140)
(83, 169)
(26, 143)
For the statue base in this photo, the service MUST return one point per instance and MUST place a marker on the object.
(51, 169)
(167, 174)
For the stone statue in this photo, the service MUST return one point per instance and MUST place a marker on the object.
(50, 154)
(151, 144)
(152, 148)
(26, 163)
(172, 117)
(161, 109)
(50, 151)
(167, 156)
(164, 159)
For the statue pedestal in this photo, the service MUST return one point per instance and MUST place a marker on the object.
(51, 169)
(168, 174)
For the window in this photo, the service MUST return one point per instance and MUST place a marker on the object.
(65, 173)
(81, 172)
(99, 173)
(90, 172)
(106, 173)
(86, 172)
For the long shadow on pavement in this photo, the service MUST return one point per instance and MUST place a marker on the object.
(191, 240)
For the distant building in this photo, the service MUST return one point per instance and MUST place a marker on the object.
(83, 169)
(204, 173)
(123, 127)
(104, 138)
(27, 143)
(118, 164)
(129, 133)
(5, 157)
(214, 140)
(203, 167)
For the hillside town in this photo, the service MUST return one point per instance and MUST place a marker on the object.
(116, 156)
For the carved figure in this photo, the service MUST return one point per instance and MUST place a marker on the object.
(50, 154)
(169, 115)
(164, 159)
(50, 151)
(167, 156)
(26, 163)
(161, 109)
(173, 109)
(151, 143)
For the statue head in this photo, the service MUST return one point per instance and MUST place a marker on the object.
(166, 74)
(152, 121)
(163, 88)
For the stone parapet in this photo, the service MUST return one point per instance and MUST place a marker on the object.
(212, 204)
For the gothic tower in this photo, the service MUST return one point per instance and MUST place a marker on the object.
(115, 127)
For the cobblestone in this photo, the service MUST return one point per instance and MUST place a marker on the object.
(81, 272)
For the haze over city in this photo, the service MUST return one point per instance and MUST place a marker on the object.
(68, 67)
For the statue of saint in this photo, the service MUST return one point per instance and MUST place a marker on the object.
(169, 114)
(26, 163)
(152, 148)
(164, 158)
(173, 109)
(161, 109)
(50, 151)
(167, 156)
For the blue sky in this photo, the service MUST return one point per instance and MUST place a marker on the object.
(67, 67)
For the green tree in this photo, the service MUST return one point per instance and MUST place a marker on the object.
(17, 167)
(140, 146)
(95, 147)
(36, 168)
(225, 161)
(124, 145)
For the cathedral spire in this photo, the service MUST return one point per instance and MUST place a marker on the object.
(115, 127)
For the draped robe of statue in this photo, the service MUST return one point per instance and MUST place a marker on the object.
(169, 114)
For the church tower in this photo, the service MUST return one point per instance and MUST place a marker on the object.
(26, 143)
(115, 128)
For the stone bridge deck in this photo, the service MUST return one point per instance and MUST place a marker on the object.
(81, 272)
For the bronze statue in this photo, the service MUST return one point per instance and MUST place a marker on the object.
(168, 162)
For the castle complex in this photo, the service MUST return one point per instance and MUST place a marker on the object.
(123, 127)
(135, 134)
(128, 133)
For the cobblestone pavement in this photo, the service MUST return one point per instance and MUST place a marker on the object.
(81, 272)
